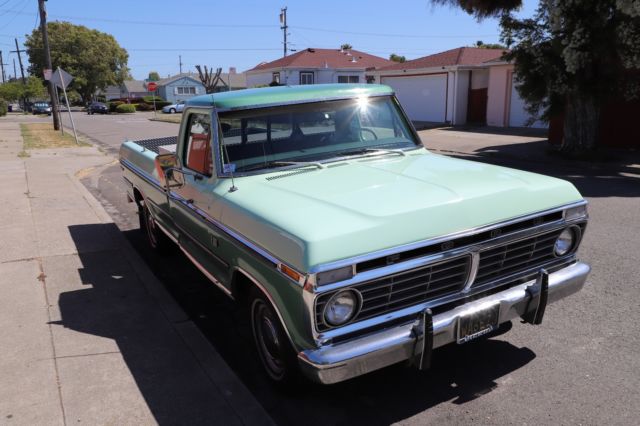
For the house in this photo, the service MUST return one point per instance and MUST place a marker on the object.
(129, 89)
(316, 66)
(180, 87)
(183, 86)
(447, 87)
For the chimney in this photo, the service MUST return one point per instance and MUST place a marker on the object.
(232, 70)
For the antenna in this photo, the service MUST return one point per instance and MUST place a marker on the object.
(233, 188)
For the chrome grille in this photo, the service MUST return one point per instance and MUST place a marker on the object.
(517, 256)
(405, 289)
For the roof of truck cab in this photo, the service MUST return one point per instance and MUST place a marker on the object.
(267, 96)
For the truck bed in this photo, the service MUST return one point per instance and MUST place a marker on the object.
(155, 143)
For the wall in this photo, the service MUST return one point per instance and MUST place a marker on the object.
(168, 92)
(292, 76)
(461, 97)
(497, 95)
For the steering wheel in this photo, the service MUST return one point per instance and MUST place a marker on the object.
(363, 129)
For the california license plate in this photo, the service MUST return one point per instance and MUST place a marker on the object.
(478, 323)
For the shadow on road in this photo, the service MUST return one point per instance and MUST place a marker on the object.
(460, 373)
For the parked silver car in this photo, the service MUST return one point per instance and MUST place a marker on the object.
(173, 108)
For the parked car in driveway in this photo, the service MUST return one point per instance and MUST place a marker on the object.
(41, 108)
(97, 108)
(173, 108)
(352, 246)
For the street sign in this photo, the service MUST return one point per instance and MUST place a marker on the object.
(61, 78)
(151, 86)
(47, 74)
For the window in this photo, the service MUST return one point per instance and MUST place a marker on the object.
(266, 138)
(275, 77)
(348, 79)
(198, 146)
(306, 77)
(186, 90)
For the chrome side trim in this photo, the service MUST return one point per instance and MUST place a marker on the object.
(268, 296)
(430, 241)
(202, 215)
(207, 274)
(166, 231)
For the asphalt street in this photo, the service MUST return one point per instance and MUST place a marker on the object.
(581, 366)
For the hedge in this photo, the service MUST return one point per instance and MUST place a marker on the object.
(149, 99)
(125, 108)
(3, 107)
(113, 105)
(144, 107)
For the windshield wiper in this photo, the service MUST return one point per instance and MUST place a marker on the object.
(374, 151)
(273, 164)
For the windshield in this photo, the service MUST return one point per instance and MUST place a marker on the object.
(315, 132)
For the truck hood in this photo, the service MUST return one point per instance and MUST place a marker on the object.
(308, 217)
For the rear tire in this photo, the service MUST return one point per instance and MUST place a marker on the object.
(272, 343)
(172, 111)
(156, 238)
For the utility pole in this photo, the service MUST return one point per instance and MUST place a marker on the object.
(47, 54)
(15, 73)
(18, 51)
(2, 64)
(283, 27)
(180, 62)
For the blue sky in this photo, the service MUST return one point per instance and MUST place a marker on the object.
(248, 32)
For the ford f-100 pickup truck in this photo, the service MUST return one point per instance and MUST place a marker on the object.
(352, 246)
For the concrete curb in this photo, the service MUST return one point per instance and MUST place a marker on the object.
(246, 407)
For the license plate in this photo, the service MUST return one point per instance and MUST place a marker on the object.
(478, 323)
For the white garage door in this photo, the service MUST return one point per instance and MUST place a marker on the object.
(517, 114)
(423, 97)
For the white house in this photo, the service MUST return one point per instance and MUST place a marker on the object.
(447, 87)
(316, 66)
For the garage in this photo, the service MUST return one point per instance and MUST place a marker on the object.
(424, 97)
(518, 115)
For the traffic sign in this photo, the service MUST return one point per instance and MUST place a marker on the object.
(151, 86)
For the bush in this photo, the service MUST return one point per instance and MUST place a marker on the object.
(125, 108)
(113, 105)
(3, 107)
(160, 105)
(144, 107)
(149, 99)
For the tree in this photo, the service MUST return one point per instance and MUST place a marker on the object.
(93, 58)
(572, 58)
(14, 90)
(483, 45)
(397, 58)
(154, 76)
(346, 46)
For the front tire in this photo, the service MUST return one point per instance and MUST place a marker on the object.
(157, 239)
(272, 343)
(172, 111)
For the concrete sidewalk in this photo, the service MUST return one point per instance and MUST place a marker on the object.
(87, 334)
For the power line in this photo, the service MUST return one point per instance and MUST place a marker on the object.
(26, 2)
(390, 35)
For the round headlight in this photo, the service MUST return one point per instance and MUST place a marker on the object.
(341, 307)
(565, 242)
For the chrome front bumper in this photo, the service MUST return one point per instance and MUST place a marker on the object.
(335, 363)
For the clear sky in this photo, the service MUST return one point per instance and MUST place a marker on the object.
(243, 33)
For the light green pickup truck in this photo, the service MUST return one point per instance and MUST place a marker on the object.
(352, 246)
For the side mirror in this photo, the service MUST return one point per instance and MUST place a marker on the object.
(166, 164)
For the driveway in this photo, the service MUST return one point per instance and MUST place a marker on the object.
(579, 367)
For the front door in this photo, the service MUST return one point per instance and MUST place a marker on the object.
(194, 204)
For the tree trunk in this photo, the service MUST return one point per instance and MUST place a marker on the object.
(581, 123)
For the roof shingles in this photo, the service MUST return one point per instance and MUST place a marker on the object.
(458, 56)
(326, 58)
